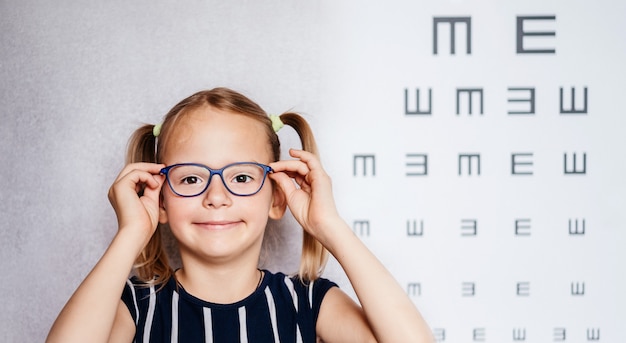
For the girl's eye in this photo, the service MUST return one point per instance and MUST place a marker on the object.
(242, 178)
(190, 180)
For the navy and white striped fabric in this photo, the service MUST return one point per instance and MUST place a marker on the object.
(282, 309)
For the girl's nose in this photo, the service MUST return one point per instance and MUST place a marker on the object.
(216, 194)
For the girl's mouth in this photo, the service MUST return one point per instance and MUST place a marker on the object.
(218, 225)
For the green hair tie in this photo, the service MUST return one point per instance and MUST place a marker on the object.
(277, 124)
(156, 130)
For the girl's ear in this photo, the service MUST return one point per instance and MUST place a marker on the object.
(279, 203)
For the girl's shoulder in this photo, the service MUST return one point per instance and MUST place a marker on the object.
(302, 292)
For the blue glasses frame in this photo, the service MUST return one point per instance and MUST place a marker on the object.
(165, 171)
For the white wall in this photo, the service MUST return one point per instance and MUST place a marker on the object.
(78, 78)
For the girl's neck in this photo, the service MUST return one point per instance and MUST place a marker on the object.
(220, 285)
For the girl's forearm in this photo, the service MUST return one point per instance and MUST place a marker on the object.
(90, 313)
(390, 312)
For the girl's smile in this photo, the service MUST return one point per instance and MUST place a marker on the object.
(218, 225)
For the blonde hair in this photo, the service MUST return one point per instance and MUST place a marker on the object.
(152, 265)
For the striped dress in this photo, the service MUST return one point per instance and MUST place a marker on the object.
(282, 309)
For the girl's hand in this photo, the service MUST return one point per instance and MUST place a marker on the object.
(133, 209)
(310, 198)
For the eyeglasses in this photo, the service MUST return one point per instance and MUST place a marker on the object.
(192, 179)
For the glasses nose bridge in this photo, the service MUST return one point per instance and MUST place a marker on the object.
(220, 173)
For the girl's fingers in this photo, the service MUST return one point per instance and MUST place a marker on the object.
(291, 167)
(284, 182)
(142, 173)
(151, 168)
(308, 190)
(307, 157)
(155, 185)
(302, 154)
(305, 171)
(135, 177)
(132, 207)
(148, 179)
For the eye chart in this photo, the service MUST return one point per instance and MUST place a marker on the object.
(484, 161)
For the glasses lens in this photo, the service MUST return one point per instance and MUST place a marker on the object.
(244, 178)
(188, 180)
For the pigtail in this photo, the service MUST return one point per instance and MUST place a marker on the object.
(314, 255)
(141, 146)
(152, 265)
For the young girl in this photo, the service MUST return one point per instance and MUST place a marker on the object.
(212, 173)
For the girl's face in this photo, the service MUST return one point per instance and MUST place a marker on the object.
(217, 225)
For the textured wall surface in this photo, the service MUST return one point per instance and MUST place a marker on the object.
(77, 78)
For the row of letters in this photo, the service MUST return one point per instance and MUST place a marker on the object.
(469, 227)
(521, 163)
(522, 35)
(521, 334)
(522, 289)
(474, 99)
